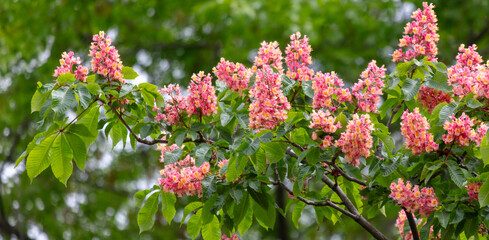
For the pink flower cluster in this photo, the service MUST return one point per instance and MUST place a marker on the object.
(298, 58)
(236, 76)
(233, 236)
(164, 148)
(175, 105)
(183, 177)
(269, 54)
(356, 141)
(325, 87)
(368, 89)
(473, 190)
(463, 76)
(431, 97)
(414, 127)
(202, 98)
(420, 36)
(326, 122)
(460, 130)
(269, 106)
(66, 66)
(106, 60)
(411, 198)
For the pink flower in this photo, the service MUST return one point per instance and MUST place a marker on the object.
(420, 36)
(202, 98)
(325, 87)
(221, 164)
(414, 200)
(414, 127)
(269, 106)
(464, 75)
(105, 58)
(236, 76)
(356, 141)
(473, 190)
(233, 236)
(460, 130)
(183, 177)
(431, 97)
(298, 58)
(175, 105)
(66, 66)
(368, 89)
(325, 122)
(269, 54)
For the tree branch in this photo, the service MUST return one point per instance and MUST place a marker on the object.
(412, 224)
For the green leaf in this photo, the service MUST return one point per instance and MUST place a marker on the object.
(80, 130)
(447, 111)
(90, 78)
(287, 84)
(63, 99)
(139, 197)
(296, 214)
(38, 100)
(172, 157)
(225, 118)
(168, 201)
(117, 133)
(456, 174)
(439, 81)
(299, 136)
(190, 208)
(307, 87)
(245, 224)
(402, 68)
(274, 151)
(411, 88)
(128, 73)
(146, 215)
(212, 231)
(388, 142)
(62, 156)
(79, 149)
(231, 174)
(267, 137)
(66, 78)
(484, 194)
(442, 218)
(39, 158)
(125, 89)
(252, 147)
(484, 149)
(265, 216)
(388, 169)
(201, 152)
(94, 88)
(90, 121)
(84, 96)
(194, 224)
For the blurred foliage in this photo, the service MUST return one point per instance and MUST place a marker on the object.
(167, 41)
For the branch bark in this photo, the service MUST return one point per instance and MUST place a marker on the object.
(412, 224)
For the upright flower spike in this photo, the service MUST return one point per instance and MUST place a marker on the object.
(183, 177)
(413, 199)
(175, 105)
(473, 190)
(368, 89)
(269, 54)
(463, 76)
(414, 127)
(461, 131)
(420, 36)
(356, 141)
(431, 97)
(202, 98)
(269, 106)
(325, 87)
(67, 62)
(298, 58)
(105, 58)
(236, 76)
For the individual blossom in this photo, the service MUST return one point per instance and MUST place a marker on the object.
(413, 199)
(322, 120)
(202, 98)
(221, 164)
(298, 58)
(175, 105)
(269, 106)
(473, 190)
(481, 86)
(233, 236)
(420, 36)
(326, 86)
(269, 54)
(414, 127)
(368, 89)
(236, 76)
(183, 177)
(105, 58)
(67, 62)
(463, 75)
(431, 97)
(356, 141)
(461, 130)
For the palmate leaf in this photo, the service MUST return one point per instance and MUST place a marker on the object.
(63, 99)
(39, 158)
(62, 156)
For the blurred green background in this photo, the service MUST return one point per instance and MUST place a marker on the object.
(165, 42)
